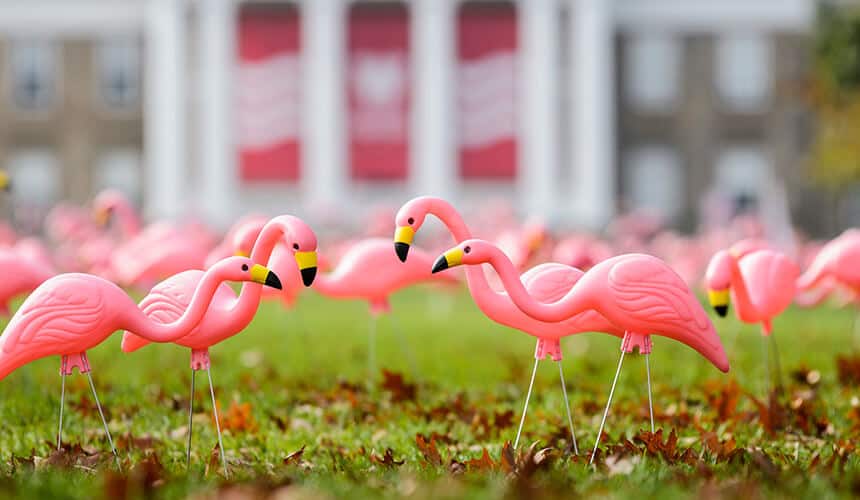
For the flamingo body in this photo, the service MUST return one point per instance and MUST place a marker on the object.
(350, 279)
(20, 276)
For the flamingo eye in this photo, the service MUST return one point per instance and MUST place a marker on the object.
(244, 267)
(296, 246)
(411, 221)
(467, 249)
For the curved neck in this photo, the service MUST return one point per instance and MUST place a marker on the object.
(450, 217)
(127, 218)
(487, 299)
(243, 309)
(743, 303)
(139, 324)
(564, 308)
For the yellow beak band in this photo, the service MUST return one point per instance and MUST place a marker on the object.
(4, 180)
(101, 216)
(718, 298)
(259, 274)
(404, 234)
(454, 257)
(306, 260)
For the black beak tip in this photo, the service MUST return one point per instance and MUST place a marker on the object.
(308, 275)
(722, 310)
(273, 281)
(440, 265)
(402, 250)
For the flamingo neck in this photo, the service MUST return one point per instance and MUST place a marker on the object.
(450, 217)
(488, 300)
(245, 306)
(141, 325)
(743, 303)
(566, 307)
(128, 220)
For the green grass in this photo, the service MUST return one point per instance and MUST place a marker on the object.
(302, 376)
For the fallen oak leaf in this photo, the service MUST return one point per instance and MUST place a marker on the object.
(484, 462)
(395, 384)
(295, 457)
(428, 449)
(387, 459)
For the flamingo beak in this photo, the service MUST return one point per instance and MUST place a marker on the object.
(263, 276)
(5, 182)
(307, 262)
(451, 258)
(719, 300)
(102, 216)
(402, 239)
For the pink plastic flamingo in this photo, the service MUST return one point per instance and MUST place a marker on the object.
(638, 293)
(838, 261)
(20, 275)
(350, 280)
(761, 284)
(228, 314)
(152, 253)
(547, 282)
(72, 313)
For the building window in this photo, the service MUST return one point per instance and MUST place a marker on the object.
(652, 64)
(744, 71)
(743, 174)
(654, 180)
(33, 72)
(120, 169)
(36, 174)
(118, 61)
(486, 84)
(378, 90)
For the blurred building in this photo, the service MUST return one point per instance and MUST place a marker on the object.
(573, 109)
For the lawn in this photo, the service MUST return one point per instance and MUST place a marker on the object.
(302, 418)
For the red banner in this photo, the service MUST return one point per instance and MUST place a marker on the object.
(268, 92)
(487, 48)
(378, 91)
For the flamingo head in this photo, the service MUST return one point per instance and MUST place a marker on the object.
(105, 203)
(409, 219)
(470, 252)
(718, 279)
(243, 238)
(244, 269)
(298, 237)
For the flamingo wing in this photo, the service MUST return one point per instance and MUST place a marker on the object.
(550, 282)
(65, 315)
(168, 301)
(770, 278)
(654, 299)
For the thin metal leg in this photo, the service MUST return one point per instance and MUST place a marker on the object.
(62, 401)
(190, 421)
(650, 404)
(567, 407)
(526, 406)
(776, 364)
(606, 411)
(104, 421)
(768, 374)
(371, 349)
(404, 344)
(217, 423)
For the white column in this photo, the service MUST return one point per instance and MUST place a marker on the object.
(323, 168)
(592, 190)
(165, 112)
(538, 105)
(218, 179)
(433, 149)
